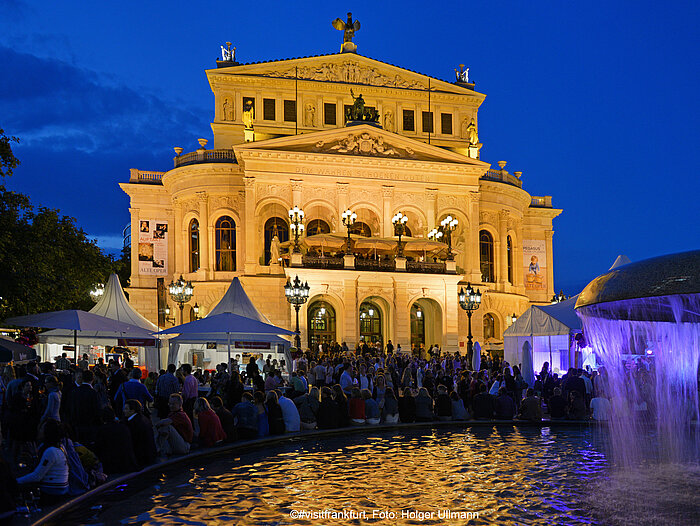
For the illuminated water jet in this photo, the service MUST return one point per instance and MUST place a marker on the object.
(648, 309)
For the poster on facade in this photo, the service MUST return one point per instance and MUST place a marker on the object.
(535, 263)
(153, 247)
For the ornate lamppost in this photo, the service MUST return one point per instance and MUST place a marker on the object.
(181, 292)
(195, 309)
(435, 234)
(469, 300)
(296, 218)
(349, 217)
(447, 226)
(297, 293)
(399, 221)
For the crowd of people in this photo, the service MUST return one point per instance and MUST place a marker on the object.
(67, 427)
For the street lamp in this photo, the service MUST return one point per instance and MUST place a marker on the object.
(296, 216)
(97, 292)
(168, 317)
(349, 218)
(434, 234)
(469, 300)
(181, 292)
(558, 298)
(513, 318)
(297, 293)
(399, 221)
(447, 226)
(195, 309)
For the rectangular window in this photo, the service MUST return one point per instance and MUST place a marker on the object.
(269, 109)
(329, 115)
(427, 122)
(290, 110)
(248, 103)
(446, 123)
(408, 122)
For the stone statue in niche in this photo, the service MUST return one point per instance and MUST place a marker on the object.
(275, 250)
(471, 133)
(227, 110)
(389, 120)
(464, 134)
(248, 116)
(309, 114)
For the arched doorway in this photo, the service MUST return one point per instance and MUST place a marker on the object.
(370, 323)
(321, 324)
(426, 323)
(361, 229)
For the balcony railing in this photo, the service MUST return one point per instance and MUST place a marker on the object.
(205, 156)
(426, 268)
(502, 176)
(141, 177)
(376, 265)
(322, 262)
(541, 201)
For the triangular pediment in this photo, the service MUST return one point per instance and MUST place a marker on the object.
(363, 140)
(349, 68)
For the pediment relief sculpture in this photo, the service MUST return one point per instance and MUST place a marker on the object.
(349, 71)
(363, 144)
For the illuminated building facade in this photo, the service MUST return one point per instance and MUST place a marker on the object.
(280, 141)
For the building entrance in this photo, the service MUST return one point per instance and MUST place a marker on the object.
(370, 323)
(321, 324)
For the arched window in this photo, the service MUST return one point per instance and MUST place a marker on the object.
(417, 325)
(321, 322)
(225, 244)
(194, 245)
(370, 323)
(509, 249)
(275, 226)
(489, 327)
(486, 252)
(361, 229)
(317, 226)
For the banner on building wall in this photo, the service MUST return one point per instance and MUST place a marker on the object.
(153, 247)
(535, 263)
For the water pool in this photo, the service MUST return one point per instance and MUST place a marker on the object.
(479, 475)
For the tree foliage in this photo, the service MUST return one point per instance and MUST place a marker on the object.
(46, 261)
(8, 162)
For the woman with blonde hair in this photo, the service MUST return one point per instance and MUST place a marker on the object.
(207, 425)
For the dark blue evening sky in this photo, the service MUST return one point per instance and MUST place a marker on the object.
(595, 102)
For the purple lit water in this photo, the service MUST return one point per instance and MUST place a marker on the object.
(668, 327)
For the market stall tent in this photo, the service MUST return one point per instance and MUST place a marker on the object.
(206, 349)
(113, 305)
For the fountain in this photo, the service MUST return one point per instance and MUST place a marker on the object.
(649, 310)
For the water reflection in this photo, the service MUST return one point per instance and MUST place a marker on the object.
(500, 475)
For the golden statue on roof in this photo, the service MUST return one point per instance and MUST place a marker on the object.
(349, 28)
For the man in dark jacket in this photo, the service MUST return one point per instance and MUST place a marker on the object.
(228, 423)
(84, 410)
(114, 446)
(531, 407)
(482, 404)
(557, 405)
(141, 433)
(504, 405)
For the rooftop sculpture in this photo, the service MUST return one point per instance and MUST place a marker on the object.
(349, 28)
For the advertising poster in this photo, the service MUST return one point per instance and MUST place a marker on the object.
(153, 247)
(535, 263)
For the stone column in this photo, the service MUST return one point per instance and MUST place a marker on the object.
(387, 227)
(180, 241)
(548, 234)
(518, 260)
(205, 260)
(432, 195)
(135, 229)
(502, 278)
(249, 228)
(473, 240)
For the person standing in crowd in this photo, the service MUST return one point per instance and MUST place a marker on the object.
(117, 377)
(84, 410)
(557, 405)
(53, 400)
(166, 385)
(141, 430)
(62, 363)
(308, 405)
(190, 389)
(84, 364)
(134, 390)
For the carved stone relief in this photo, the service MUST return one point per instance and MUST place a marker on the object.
(275, 190)
(234, 202)
(349, 71)
(363, 144)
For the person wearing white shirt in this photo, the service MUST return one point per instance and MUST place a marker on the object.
(290, 414)
(601, 408)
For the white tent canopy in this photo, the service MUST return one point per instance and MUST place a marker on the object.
(235, 301)
(113, 305)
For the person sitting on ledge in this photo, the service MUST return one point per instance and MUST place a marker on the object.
(557, 405)
(141, 430)
(372, 414)
(246, 415)
(443, 404)
(390, 410)
(407, 406)
(505, 407)
(341, 402)
(290, 413)
(482, 404)
(601, 408)
(175, 433)
(207, 424)
(308, 405)
(531, 407)
(327, 416)
(52, 471)
(577, 407)
(459, 412)
(228, 423)
(424, 406)
(114, 446)
(356, 408)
